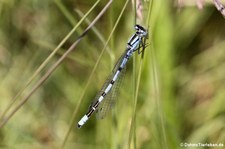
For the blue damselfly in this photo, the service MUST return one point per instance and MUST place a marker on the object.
(135, 43)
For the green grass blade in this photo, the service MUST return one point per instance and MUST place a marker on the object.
(39, 69)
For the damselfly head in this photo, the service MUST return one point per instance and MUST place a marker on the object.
(141, 31)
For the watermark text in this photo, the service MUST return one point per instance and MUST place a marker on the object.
(187, 145)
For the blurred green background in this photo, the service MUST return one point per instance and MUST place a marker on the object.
(182, 86)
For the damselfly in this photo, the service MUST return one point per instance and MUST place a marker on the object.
(135, 43)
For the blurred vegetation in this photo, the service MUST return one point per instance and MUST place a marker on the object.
(181, 93)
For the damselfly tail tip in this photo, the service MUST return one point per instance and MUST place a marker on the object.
(78, 126)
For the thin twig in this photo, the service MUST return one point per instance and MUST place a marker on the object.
(89, 79)
(138, 8)
(51, 70)
(219, 7)
(40, 68)
(98, 34)
(133, 120)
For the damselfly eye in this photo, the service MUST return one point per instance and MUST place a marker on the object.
(139, 27)
(140, 30)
